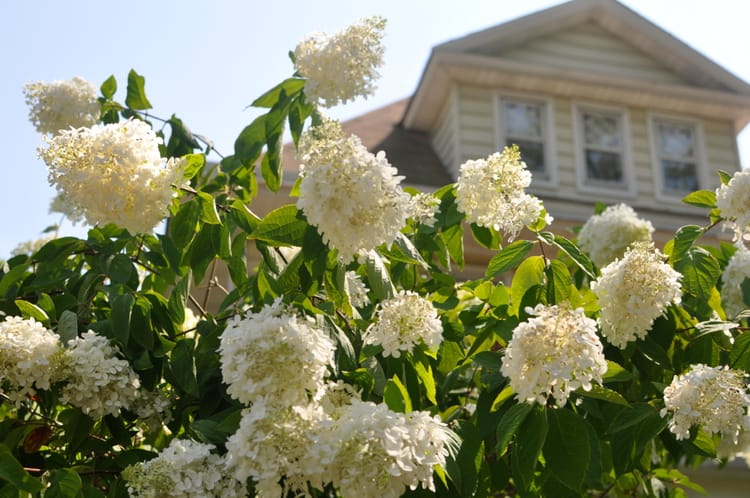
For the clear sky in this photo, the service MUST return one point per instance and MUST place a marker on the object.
(206, 61)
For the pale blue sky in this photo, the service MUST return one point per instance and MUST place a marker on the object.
(206, 61)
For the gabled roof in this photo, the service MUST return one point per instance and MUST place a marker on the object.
(709, 89)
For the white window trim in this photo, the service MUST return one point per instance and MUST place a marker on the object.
(548, 138)
(700, 155)
(628, 188)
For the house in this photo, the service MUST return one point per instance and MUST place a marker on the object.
(605, 106)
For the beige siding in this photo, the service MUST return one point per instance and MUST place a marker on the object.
(444, 139)
(475, 116)
(590, 48)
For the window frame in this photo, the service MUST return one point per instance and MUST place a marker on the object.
(656, 167)
(624, 189)
(546, 105)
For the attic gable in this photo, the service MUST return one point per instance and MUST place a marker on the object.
(588, 47)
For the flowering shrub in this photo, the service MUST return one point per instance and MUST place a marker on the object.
(330, 349)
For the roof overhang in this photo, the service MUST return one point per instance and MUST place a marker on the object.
(447, 69)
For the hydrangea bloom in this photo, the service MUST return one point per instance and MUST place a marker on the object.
(98, 382)
(736, 271)
(113, 174)
(353, 197)
(633, 292)
(356, 289)
(275, 441)
(424, 208)
(184, 468)
(606, 236)
(731, 199)
(403, 322)
(714, 398)
(29, 357)
(341, 66)
(62, 104)
(490, 192)
(274, 352)
(552, 354)
(381, 452)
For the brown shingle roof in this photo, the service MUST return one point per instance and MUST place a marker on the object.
(409, 151)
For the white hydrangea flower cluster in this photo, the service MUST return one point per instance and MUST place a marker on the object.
(62, 104)
(403, 322)
(491, 193)
(353, 197)
(154, 408)
(356, 289)
(714, 398)
(341, 66)
(185, 468)
(30, 356)
(731, 199)
(113, 174)
(98, 382)
(424, 209)
(380, 453)
(274, 352)
(274, 440)
(736, 271)
(606, 236)
(633, 292)
(552, 354)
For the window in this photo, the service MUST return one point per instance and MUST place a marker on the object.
(603, 150)
(528, 124)
(676, 157)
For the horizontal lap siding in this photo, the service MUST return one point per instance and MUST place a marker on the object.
(590, 48)
(444, 138)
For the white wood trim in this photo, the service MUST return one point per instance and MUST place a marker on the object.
(549, 136)
(627, 190)
(701, 159)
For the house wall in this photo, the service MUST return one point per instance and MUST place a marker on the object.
(469, 117)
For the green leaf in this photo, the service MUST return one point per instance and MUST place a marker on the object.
(558, 282)
(122, 308)
(192, 164)
(67, 326)
(109, 87)
(509, 424)
(396, 396)
(739, 356)
(700, 271)
(615, 373)
(184, 224)
(63, 483)
(182, 366)
(508, 258)
(529, 274)
(290, 86)
(501, 398)
(250, 141)
(178, 299)
(572, 250)
(604, 394)
(566, 449)
(529, 442)
(244, 218)
(31, 310)
(378, 277)
(209, 214)
(701, 198)
(136, 98)
(486, 237)
(282, 226)
(426, 376)
(453, 238)
(14, 473)
(684, 239)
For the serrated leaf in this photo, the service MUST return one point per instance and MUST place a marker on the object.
(566, 448)
(136, 97)
(615, 373)
(13, 472)
(184, 224)
(67, 326)
(289, 86)
(396, 396)
(529, 442)
(700, 271)
(192, 164)
(182, 366)
(572, 250)
(109, 87)
(378, 277)
(283, 226)
(683, 240)
(250, 141)
(122, 308)
(508, 258)
(604, 394)
(209, 214)
(701, 198)
(63, 483)
(530, 273)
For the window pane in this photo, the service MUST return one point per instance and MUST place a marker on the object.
(523, 120)
(601, 130)
(532, 153)
(604, 166)
(676, 140)
(679, 176)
